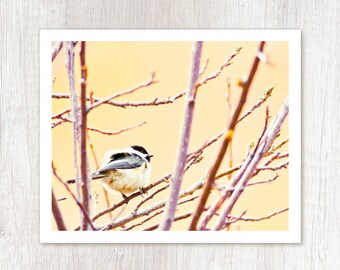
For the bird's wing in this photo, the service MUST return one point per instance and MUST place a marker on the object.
(120, 164)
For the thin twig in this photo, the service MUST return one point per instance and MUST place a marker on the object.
(204, 68)
(109, 133)
(58, 217)
(228, 223)
(222, 187)
(264, 217)
(129, 91)
(180, 217)
(92, 151)
(143, 221)
(219, 71)
(149, 198)
(194, 159)
(229, 119)
(119, 213)
(175, 187)
(58, 115)
(56, 49)
(274, 168)
(274, 148)
(265, 96)
(227, 138)
(116, 132)
(264, 181)
(155, 102)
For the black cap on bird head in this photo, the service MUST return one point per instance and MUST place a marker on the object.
(142, 150)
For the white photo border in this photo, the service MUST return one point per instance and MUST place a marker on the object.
(293, 235)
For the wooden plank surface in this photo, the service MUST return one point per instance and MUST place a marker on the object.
(20, 22)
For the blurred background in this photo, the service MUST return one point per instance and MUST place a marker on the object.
(116, 66)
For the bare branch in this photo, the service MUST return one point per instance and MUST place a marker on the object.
(149, 197)
(56, 49)
(109, 133)
(274, 168)
(277, 155)
(227, 224)
(274, 148)
(233, 219)
(155, 102)
(265, 96)
(143, 221)
(204, 68)
(80, 205)
(129, 91)
(92, 151)
(154, 227)
(84, 166)
(266, 142)
(58, 217)
(227, 138)
(121, 222)
(69, 52)
(129, 198)
(116, 132)
(233, 181)
(226, 193)
(229, 119)
(263, 182)
(58, 115)
(184, 141)
(180, 217)
(219, 71)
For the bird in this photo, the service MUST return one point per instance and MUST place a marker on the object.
(124, 171)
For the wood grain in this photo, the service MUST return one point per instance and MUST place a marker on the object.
(20, 22)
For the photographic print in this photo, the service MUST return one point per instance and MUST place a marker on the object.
(170, 136)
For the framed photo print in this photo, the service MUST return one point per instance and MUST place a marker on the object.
(170, 136)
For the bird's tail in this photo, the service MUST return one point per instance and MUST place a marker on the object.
(94, 176)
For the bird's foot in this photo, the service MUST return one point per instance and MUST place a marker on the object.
(126, 198)
(142, 191)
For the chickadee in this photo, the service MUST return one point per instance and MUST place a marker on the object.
(125, 170)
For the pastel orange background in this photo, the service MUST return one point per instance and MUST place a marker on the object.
(117, 66)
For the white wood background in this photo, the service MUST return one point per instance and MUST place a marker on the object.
(19, 135)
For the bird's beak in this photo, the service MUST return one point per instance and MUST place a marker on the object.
(150, 156)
